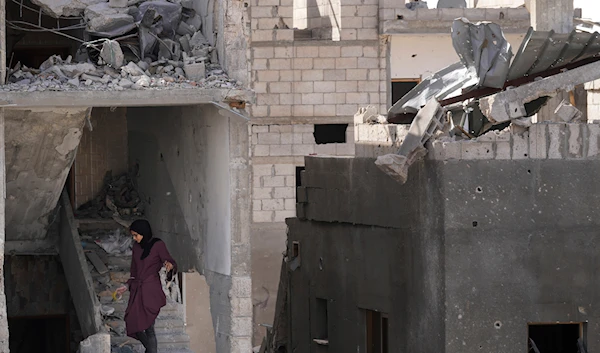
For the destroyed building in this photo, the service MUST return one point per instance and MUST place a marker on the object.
(471, 230)
(111, 111)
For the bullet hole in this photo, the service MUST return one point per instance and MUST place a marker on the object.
(479, 190)
(501, 15)
(245, 4)
(474, 224)
(516, 110)
(497, 325)
(525, 155)
(177, 152)
(149, 201)
(321, 263)
(161, 157)
(528, 171)
(414, 55)
(400, 17)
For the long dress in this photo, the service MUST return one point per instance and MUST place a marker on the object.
(146, 296)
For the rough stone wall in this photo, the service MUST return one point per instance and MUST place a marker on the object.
(35, 286)
(40, 148)
(101, 150)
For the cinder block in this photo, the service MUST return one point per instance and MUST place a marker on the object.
(325, 110)
(284, 193)
(286, 75)
(290, 181)
(324, 63)
(286, 98)
(285, 169)
(280, 128)
(267, 23)
(303, 87)
(256, 205)
(262, 11)
(329, 52)
(346, 63)
(273, 205)
(334, 75)
(307, 52)
(297, 138)
(557, 141)
(308, 138)
(284, 52)
(369, 86)
(262, 216)
(303, 110)
(312, 98)
(325, 87)
(345, 149)
(356, 74)
(520, 147)
(302, 150)
(346, 109)
(593, 150)
(367, 10)
(312, 75)
(263, 169)
(287, 138)
(302, 63)
(277, 111)
(349, 11)
(359, 98)
(537, 141)
(262, 193)
(273, 181)
(280, 87)
(575, 143)
(451, 13)
(260, 150)
(241, 326)
(325, 149)
(349, 34)
(260, 128)
(473, 150)
(370, 23)
(334, 98)
(280, 150)
(269, 138)
(368, 63)
(241, 307)
(267, 99)
(354, 51)
(427, 14)
(346, 86)
(241, 344)
(280, 64)
(268, 75)
(280, 216)
(290, 205)
(304, 128)
(263, 53)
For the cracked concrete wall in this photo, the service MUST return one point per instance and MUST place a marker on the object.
(40, 148)
(194, 169)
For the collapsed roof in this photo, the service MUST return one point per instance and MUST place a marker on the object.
(487, 88)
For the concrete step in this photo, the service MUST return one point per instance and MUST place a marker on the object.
(165, 341)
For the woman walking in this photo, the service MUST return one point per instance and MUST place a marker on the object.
(146, 294)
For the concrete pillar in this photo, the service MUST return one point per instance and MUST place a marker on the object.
(2, 43)
(3, 318)
(556, 15)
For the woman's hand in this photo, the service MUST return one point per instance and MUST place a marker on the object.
(121, 290)
(168, 266)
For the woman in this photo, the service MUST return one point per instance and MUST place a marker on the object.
(146, 294)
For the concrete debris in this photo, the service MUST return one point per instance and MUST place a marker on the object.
(369, 115)
(451, 4)
(568, 113)
(112, 54)
(118, 197)
(416, 5)
(58, 8)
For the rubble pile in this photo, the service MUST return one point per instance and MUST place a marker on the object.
(133, 45)
(118, 198)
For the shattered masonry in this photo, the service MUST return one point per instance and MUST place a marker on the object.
(132, 45)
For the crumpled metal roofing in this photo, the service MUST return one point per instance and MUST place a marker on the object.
(539, 52)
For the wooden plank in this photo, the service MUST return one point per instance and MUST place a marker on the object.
(98, 264)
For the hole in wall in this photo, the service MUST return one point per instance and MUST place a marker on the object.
(474, 224)
(321, 263)
(497, 324)
(528, 171)
(556, 338)
(400, 17)
(479, 189)
(414, 55)
(295, 249)
(161, 157)
(330, 133)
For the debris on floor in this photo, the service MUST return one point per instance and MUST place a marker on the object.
(118, 198)
(154, 44)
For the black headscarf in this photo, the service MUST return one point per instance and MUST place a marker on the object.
(142, 227)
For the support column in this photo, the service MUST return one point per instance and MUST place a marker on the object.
(556, 15)
(2, 45)
(3, 318)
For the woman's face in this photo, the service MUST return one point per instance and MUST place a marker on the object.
(136, 236)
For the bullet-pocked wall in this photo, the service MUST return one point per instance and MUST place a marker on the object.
(464, 257)
(192, 172)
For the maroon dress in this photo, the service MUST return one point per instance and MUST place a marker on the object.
(146, 296)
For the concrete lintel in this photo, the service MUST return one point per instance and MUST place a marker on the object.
(128, 98)
(436, 26)
(316, 42)
(230, 113)
(509, 104)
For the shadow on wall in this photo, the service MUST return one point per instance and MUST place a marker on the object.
(162, 207)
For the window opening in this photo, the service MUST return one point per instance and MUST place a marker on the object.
(555, 338)
(298, 179)
(377, 332)
(330, 133)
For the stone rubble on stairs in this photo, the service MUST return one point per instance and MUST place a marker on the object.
(170, 327)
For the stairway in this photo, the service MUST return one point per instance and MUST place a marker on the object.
(170, 327)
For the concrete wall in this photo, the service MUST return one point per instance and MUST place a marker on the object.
(494, 242)
(194, 171)
(40, 148)
(101, 150)
(197, 313)
(318, 14)
(35, 286)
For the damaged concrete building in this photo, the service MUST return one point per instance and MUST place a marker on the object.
(112, 111)
(473, 229)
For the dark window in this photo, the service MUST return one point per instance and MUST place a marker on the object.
(555, 338)
(401, 88)
(298, 180)
(51, 334)
(321, 319)
(330, 133)
(377, 332)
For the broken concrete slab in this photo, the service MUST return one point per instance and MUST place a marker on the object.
(102, 9)
(98, 343)
(567, 113)
(109, 23)
(510, 104)
(58, 8)
(196, 71)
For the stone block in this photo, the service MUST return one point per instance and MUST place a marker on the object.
(349, 34)
(346, 109)
(303, 110)
(241, 307)
(368, 63)
(303, 87)
(346, 86)
(263, 52)
(356, 74)
(262, 193)
(325, 110)
(427, 14)
(263, 169)
(284, 193)
(334, 75)
(307, 52)
(359, 98)
(312, 98)
(304, 128)
(537, 141)
(354, 51)
(260, 150)
(312, 75)
(302, 150)
(303, 63)
(290, 205)
(325, 86)
(280, 111)
(273, 205)
(308, 138)
(324, 63)
(284, 35)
